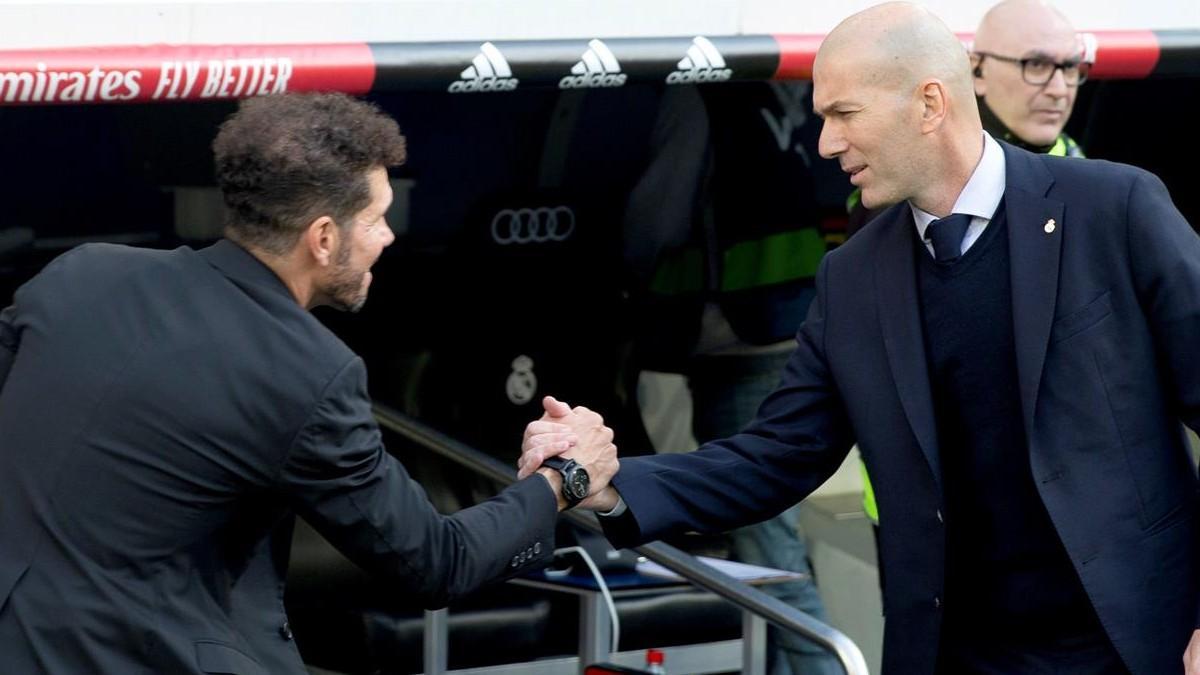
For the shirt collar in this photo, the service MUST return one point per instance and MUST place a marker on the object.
(981, 195)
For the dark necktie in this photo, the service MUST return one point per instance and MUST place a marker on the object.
(946, 234)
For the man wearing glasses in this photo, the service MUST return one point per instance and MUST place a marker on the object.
(1028, 65)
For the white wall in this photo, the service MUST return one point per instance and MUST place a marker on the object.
(49, 23)
(795, 16)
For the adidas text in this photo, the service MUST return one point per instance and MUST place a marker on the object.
(592, 80)
(695, 76)
(492, 84)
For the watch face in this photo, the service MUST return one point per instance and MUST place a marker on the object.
(577, 483)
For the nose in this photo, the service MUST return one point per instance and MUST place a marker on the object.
(388, 235)
(831, 142)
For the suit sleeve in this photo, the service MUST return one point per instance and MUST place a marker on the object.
(799, 438)
(343, 482)
(1165, 255)
(8, 343)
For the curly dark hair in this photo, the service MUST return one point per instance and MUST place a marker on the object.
(284, 161)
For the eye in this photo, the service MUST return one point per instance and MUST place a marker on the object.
(1039, 65)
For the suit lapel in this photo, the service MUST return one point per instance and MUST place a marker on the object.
(900, 322)
(1035, 232)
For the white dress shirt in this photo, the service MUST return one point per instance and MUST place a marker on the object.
(979, 197)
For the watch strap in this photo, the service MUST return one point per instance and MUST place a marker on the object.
(564, 466)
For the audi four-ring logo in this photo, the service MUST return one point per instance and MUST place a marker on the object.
(533, 226)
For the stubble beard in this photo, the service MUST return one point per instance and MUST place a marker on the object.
(345, 289)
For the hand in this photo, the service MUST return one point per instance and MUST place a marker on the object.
(547, 437)
(591, 446)
(1191, 657)
(544, 438)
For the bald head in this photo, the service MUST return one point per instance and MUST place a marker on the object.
(1014, 24)
(899, 44)
(894, 86)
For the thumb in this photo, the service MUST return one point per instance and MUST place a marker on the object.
(555, 407)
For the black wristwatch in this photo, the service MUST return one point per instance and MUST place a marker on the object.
(575, 479)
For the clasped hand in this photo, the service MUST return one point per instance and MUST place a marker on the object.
(575, 433)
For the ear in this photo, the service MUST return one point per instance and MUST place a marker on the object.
(320, 239)
(977, 73)
(934, 105)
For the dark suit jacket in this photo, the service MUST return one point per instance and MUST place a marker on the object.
(1106, 311)
(164, 415)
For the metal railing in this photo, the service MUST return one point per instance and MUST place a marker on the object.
(743, 595)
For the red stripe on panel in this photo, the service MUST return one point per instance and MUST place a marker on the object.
(796, 54)
(180, 73)
(1125, 54)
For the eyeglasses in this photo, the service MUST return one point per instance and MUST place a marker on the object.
(1038, 70)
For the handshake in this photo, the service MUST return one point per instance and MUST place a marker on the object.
(572, 433)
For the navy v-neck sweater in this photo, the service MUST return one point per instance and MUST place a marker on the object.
(1006, 567)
